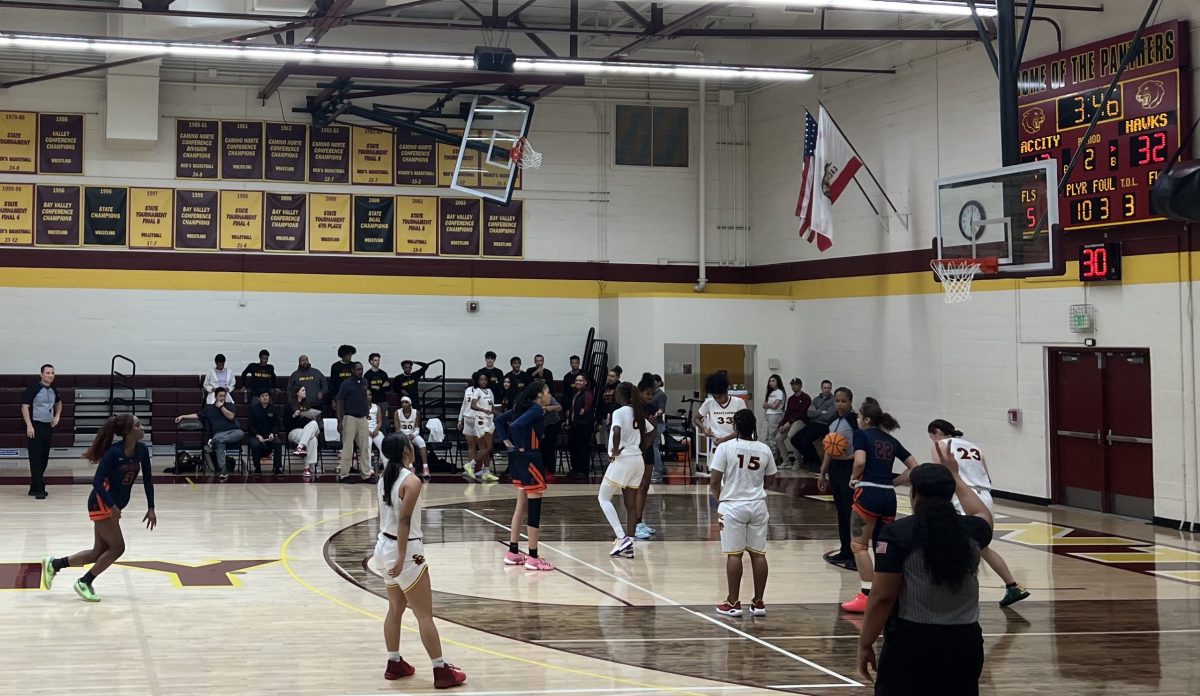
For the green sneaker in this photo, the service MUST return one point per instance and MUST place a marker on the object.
(1012, 595)
(85, 592)
(48, 571)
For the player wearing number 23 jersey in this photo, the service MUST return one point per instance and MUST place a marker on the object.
(744, 466)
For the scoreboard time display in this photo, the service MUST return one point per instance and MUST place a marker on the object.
(1139, 128)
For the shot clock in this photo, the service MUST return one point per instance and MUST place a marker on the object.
(1138, 127)
(1099, 262)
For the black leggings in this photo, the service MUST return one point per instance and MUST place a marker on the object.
(805, 438)
(843, 499)
(904, 668)
(579, 441)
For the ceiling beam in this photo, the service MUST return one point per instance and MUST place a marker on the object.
(429, 75)
(537, 40)
(671, 29)
(330, 19)
(637, 16)
(78, 71)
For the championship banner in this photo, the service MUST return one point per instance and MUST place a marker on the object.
(196, 220)
(105, 216)
(60, 143)
(504, 229)
(196, 148)
(329, 223)
(287, 145)
(241, 149)
(374, 225)
(416, 224)
(459, 226)
(329, 155)
(16, 214)
(286, 222)
(373, 156)
(56, 221)
(241, 220)
(416, 160)
(18, 142)
(447, 157)
(151, 213)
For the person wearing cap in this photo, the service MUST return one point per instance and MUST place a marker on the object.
(408, 421)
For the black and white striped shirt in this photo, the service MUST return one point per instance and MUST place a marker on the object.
(922, 601)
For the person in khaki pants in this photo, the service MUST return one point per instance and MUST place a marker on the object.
(350, 404)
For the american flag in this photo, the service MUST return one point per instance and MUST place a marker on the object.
(807, 179)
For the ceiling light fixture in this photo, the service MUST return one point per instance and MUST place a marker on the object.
(932, 7)
(296, 54)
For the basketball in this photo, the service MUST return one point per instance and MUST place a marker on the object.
(835, 445)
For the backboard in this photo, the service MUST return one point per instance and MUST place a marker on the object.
(484, 167)
(1010, 214)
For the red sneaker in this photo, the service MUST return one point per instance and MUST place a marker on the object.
(398, 669)
(730, 609)
(757, 608)
(858, 605)
(448, 677)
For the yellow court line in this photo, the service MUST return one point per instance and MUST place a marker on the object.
(283, 556)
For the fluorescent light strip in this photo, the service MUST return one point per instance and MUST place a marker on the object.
(932, 7)
(380, 58)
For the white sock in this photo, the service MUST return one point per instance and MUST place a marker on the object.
(438, 662)
(607, 490)
(866, 586)
(394, 655)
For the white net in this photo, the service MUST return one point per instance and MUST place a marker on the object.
(956, 276)
(525, 156)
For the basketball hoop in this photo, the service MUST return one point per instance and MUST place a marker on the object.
(524, 156)
(956, 276)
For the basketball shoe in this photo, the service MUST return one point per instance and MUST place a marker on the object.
(858, 605)
(514, 559)
(730, 609)
(757, 608)
(448, 677)
(1012, 595)
(620, 545)
(398, 669)
(532, 563)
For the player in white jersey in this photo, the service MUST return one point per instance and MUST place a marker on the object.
(741, 468)
(375, 427)
(715, 416)
(400, 559)
(476, 422)
(408, 421)
(948, 443)
(628, 436)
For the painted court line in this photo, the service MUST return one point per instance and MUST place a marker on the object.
(667, 600)
(687, 639)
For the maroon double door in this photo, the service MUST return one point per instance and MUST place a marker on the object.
(1102, 448)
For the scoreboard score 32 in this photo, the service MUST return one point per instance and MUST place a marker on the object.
(1139, 129)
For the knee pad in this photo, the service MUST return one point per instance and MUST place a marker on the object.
(533, 515)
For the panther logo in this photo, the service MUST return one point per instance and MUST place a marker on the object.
(1150, 94)
(1033, 119)
(831, 171)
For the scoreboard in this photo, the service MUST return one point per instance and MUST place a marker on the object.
(1139, 128)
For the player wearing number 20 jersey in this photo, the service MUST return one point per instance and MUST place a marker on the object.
(744, 466)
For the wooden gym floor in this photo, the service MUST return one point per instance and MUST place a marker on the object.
(253, 588)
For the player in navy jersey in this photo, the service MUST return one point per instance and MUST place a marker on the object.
(875, 450)
(117, 467)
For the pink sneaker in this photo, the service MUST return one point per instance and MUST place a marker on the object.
(515, 559)
(307, 473)
(300, 452)
(858, 605)
(532, 563)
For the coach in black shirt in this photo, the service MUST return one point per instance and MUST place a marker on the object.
(258, 377)
(264, 433)
(41, 407)
(351, 407)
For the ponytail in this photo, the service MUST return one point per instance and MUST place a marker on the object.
(639, 410)
(879, 418)
(939, 534)
(945, 427)
(527, 396)
(114, 426)
(396, 447)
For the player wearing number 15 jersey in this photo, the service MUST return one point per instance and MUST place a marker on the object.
(740, 470)
(949, 446)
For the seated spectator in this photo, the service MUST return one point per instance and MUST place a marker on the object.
(819, 415)
(340, 371)
(221, 421)
(303, 424)
(378, 382)
(264, 438)
(408, 421)
(795, 417)
(518, 380)
(311, 380)
(408, 382)
(219, 376)
(258, 377)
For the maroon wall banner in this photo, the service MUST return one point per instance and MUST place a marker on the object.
(196, 149)
(196, 219)
(105, 212)
(458, 233)
(60, 143)
(329, 155)
(504, 229)
(56, 222)
(241, 149)
(286, 225)
(416, 160)
(375, 224)
(287, 146)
